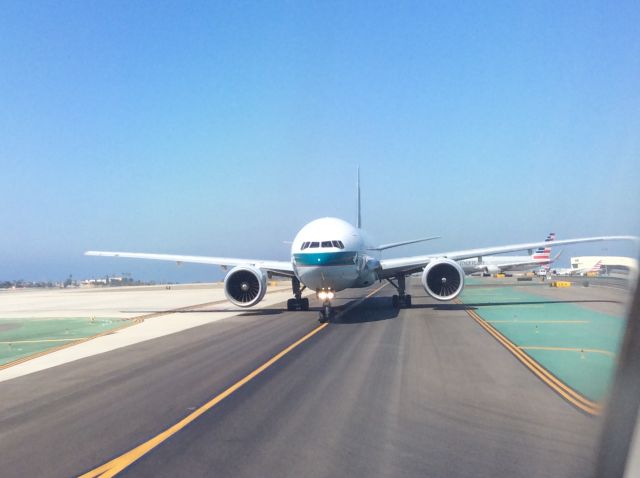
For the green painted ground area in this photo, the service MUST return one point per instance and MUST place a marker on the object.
(22, 337)
(590, 339)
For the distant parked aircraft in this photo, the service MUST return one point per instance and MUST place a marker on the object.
(496, 264)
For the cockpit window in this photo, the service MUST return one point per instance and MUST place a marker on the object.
(307, 244)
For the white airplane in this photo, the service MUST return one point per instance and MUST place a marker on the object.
(495, 264)
(596, 268)
(329, 255)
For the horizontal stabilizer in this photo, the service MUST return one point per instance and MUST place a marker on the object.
(404, 243)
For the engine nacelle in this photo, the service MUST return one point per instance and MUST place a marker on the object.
(490, 269)
(245, 286)
(443, 279)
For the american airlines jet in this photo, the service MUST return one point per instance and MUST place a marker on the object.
(541, 257)
(329, 255)
(580, 271)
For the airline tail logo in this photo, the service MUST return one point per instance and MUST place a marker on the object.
(543, 254)
(596, 267)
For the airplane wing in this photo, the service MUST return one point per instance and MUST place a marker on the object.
(281, 268)
(403, 243)
(409, 265)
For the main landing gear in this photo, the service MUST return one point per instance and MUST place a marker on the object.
(297, 303)
(402, 299)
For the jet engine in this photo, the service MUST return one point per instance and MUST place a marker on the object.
(443, 279)
(491, 269)
(245, 286)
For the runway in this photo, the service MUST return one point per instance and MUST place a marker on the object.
(378, 392)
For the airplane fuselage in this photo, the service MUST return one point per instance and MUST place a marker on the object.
(489, 263)
(331, 254)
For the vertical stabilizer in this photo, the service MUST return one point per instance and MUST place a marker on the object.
(359, 222)
(543, 254)
(597, 267)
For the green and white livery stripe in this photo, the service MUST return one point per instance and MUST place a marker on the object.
(341, 258)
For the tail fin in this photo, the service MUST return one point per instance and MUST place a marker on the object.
(543, 254)
(557, 256)
(359, 222)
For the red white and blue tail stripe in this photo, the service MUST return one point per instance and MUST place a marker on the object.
(597, 267)
(543, 254)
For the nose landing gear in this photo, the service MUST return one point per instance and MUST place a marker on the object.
(326, 312)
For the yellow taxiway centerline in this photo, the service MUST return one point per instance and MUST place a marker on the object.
(119, 463)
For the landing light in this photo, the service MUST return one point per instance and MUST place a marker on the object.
(324, 295)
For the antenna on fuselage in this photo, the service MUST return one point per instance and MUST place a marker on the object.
(359, 224)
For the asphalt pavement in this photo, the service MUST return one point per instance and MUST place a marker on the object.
(377, 392)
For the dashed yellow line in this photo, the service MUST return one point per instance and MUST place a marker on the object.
(568, 349)
(502, 306)
(118, 464)
(569, 394)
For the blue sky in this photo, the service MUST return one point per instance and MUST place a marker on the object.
(221, 129)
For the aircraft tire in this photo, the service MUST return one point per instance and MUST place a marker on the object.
(407, 300)
(291, 304)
